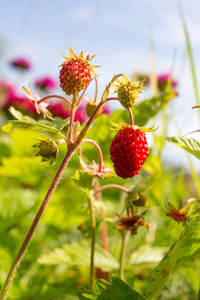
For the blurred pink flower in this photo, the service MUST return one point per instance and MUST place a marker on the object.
(9, 96)
(162, 80)
(80, 114)
(106, 110)
(21, 63)
(61, 110)
(5, 90)
(46, 83)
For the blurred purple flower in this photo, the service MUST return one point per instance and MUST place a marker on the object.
(163, 79)
(21, 63)
(46, 83)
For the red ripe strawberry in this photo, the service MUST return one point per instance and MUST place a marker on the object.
(129, 151)
(75, 74)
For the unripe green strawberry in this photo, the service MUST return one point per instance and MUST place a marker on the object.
(127, 91)
(90, 108)
(48, 150)
(75, 74)
(128, 95)
(128, 152)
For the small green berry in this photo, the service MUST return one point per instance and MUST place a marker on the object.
(127, 91)
(128, 95)
(48, 150)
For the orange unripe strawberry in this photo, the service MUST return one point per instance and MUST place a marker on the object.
(75, 74)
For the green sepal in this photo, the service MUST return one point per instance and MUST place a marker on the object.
(107, 89)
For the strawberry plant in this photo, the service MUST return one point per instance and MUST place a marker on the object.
(103, 234)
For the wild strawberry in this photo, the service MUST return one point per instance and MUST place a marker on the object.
(129, 151)
(128, 92)
(75, 74)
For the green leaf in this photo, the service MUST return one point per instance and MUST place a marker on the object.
(147, 255)
(104, 290)
(84, 180)
(188, 241)
(190, 246)
(15, 204)
(189, 51)
(55, 125)
(84, 294)
(78, 254)
(189, 144)
(24, 169)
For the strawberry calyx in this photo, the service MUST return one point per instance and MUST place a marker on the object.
(122, 125)
(83, 56)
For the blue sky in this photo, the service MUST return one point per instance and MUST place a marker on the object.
(118, 31)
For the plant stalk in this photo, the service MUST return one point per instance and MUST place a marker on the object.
(131, 117)
(93, 240)
(98, 150)
(107, 186)
(125, 239)
(29, 235)
(55, 96)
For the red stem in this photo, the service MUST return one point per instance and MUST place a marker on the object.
(131, 117)
(116, 186)
(99, 152)
(54, 96)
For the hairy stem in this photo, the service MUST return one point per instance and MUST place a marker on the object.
(84, 91)
(55, 96)
(35, 222)
(108, 186)
(98, 150)
(125, 239)
(60, 141)
(93, 240)
(111, 98)
(96, 89)
(131, 117)
(72, 115)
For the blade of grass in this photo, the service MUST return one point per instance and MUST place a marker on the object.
(193, 171)
(190, 56)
